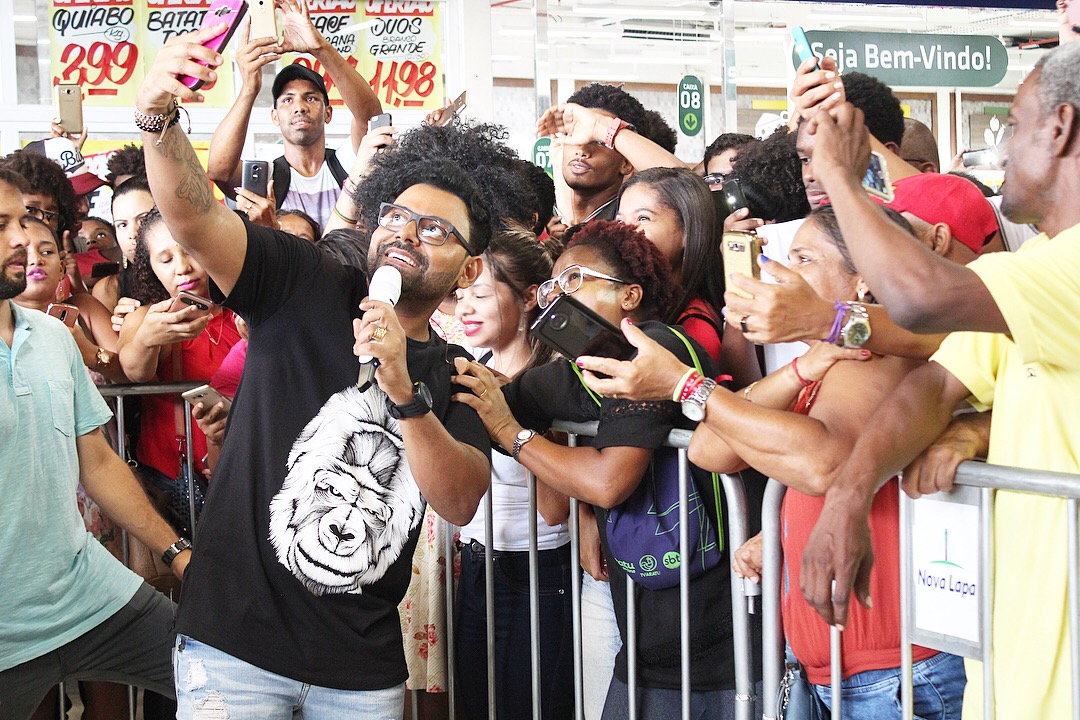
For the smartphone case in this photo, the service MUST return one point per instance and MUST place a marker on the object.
(740, 251)
(574, 330)
(263, 19)
(230, 11)
(69, 107)
(256, 177)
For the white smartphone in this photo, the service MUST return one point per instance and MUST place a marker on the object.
(208, 396)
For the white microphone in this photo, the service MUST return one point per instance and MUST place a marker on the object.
(385, 287)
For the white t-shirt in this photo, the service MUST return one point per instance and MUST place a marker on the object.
(314, 195)
(510, 507)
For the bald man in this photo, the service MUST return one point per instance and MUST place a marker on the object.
(919, 148)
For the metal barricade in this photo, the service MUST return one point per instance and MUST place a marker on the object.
(772, 633)
(977, 484)
(738, 516)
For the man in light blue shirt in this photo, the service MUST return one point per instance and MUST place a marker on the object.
(69, 609)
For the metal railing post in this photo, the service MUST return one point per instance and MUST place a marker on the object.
(1074, 603)
(684, 580)
(448, 590)
(489, 600)
(735, 492)
(534, 597)
(772, 570)
(907, 682)
(575, 601)
(987, 559)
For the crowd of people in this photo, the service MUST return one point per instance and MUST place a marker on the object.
(882, 335)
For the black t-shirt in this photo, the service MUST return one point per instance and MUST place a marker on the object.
(554, 391)
(304, 548)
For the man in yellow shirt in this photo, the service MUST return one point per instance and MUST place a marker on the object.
(1015, 347)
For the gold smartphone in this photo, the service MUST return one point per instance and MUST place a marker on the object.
(740, 250)
(263, 19)
(69, 107)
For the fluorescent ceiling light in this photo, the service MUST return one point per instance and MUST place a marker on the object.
(24, 18)
(649, 13)
(591, 33)
(857, 19)
(1035, 24)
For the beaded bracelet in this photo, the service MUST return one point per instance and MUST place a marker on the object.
(160, 123)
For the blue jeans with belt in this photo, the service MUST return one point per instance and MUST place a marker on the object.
(513, 658)
(938, 684)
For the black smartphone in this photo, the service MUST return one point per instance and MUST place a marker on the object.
(379, 121)
(731, 198)
(256, 175)
(574, 330)
(104, 269)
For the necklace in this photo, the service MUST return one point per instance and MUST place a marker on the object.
(221, 329)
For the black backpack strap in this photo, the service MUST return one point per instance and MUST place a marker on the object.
(282, 177)
(336, 169)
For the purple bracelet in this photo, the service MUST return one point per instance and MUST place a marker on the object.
(838, 323)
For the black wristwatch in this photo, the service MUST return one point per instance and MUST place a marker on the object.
(420, 405)
(175, 549)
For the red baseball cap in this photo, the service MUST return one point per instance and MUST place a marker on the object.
(954, 201)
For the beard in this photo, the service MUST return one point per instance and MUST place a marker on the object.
(12, 286)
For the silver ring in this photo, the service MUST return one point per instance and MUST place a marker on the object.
(742, 324)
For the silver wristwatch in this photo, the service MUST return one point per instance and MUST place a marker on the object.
(523, 437)
(693, 407)
(857, 328)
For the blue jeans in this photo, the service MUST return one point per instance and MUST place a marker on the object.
(938, 684)
(663, 703)
(213, 684)
(513, 658)
(600, 643)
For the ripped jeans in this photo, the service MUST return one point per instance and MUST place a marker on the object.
(212, 685)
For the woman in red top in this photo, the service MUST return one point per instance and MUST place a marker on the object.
(159, 344)
(798, 425)
(675, 210)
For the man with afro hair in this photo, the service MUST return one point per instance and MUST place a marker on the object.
(607, 135)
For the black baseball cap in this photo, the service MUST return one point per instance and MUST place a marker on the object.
(296, 71)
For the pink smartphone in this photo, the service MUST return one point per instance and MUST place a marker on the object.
(63, 312)
(184, 299)
(230, 11)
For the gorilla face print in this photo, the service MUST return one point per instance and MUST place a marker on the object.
(348, 503)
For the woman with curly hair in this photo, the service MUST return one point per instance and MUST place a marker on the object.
(160, 344)
(615, 271)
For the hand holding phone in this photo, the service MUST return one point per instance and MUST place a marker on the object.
(740, 251)
(452, 110)
(69, 108)
(572, 330)
(802, 46)
(208, 396)
(876, 180)
(220, 11)
(186, 299)
(378, 121)
(67, 314)
(255, 176)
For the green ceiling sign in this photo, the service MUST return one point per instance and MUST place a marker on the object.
(691, 105)
(901, 59)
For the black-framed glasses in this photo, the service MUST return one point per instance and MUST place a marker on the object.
(570, 281)
(429, 229)
(716, 178)
(43, 215)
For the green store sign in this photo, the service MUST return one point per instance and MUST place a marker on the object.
(542, 155)
(908, 59)
(691, 105)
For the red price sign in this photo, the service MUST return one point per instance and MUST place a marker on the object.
(95, 45)
(313, 64)
(404, 84)
(99, 67)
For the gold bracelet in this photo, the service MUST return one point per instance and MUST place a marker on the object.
(749, 389)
